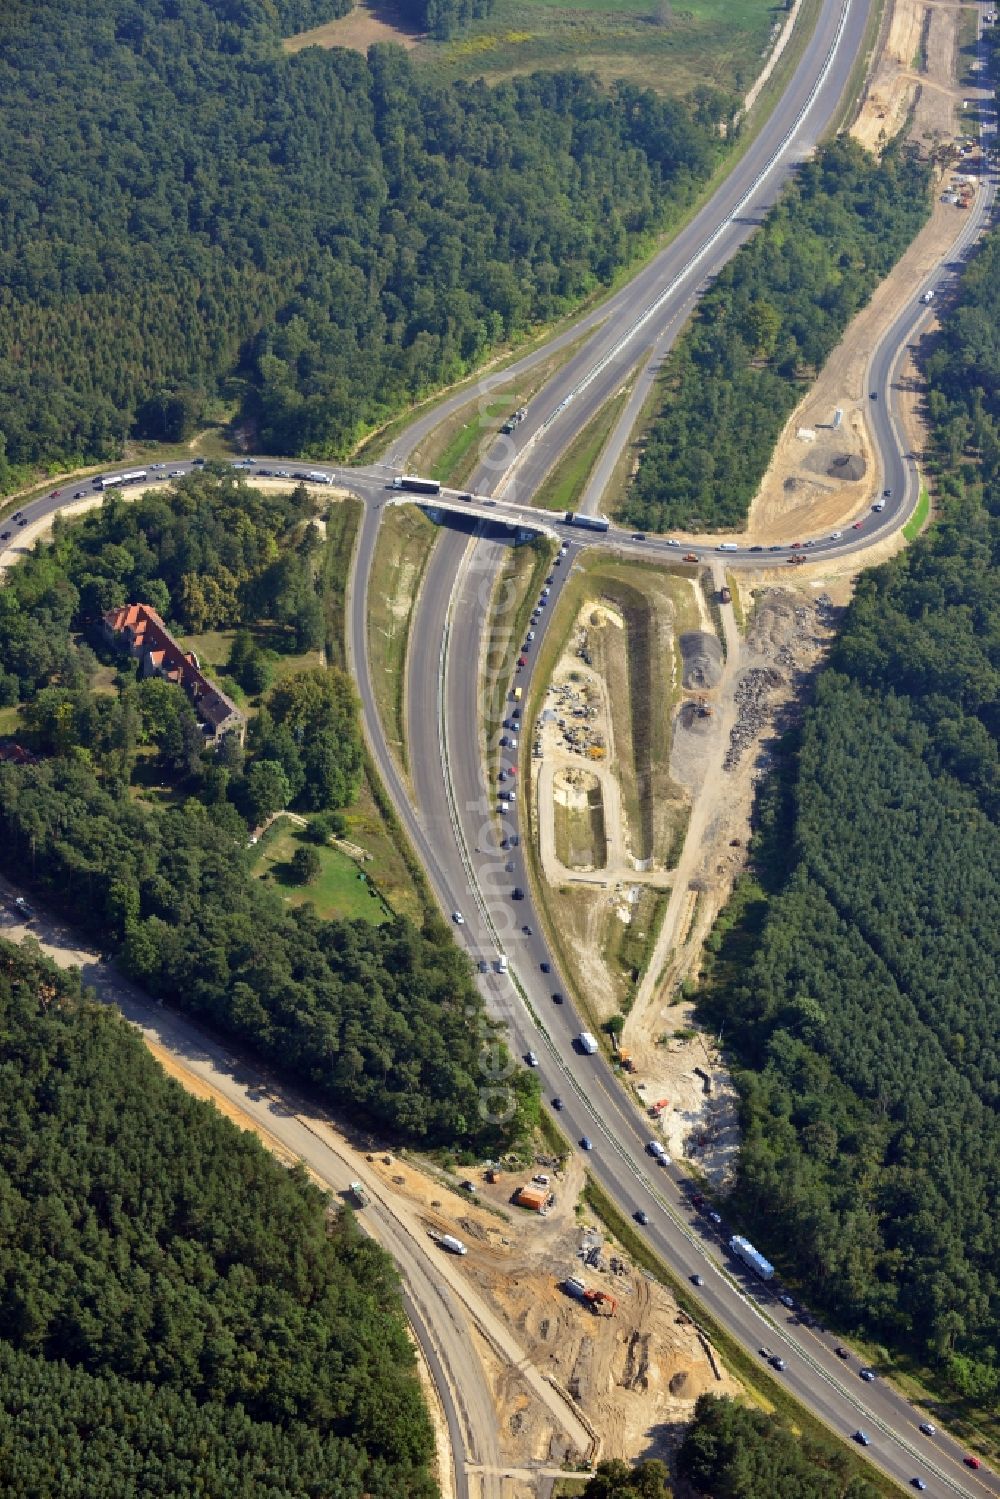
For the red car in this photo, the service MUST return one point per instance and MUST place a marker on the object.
(972, 1462)
(56, 493)
(857, 525)
(796, 544)
(522, 660)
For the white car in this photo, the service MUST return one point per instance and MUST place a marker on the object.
(531, 634)
(836, 535)
(671, 542)
(532, 1061)
(458, 918)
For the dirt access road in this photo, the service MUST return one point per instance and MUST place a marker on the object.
(448, 1307)
(824, 473)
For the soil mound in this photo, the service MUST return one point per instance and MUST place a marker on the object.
(848, 466)
(701, 655)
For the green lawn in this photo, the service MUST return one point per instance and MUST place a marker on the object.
(568, 479)
(340, 890)
(918, 519)
(461, 455)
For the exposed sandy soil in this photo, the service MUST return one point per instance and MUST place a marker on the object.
(824, 476)
(361, 29)
(634, 1376)
(726, 755)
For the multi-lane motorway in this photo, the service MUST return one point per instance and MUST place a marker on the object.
(453, 822)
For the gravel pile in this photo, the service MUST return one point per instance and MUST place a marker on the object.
(701, 658)
(752, 692)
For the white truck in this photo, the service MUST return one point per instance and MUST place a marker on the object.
(589, 1043)
(453, 1245)
(745, 1251)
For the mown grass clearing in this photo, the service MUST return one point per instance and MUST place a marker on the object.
(565, 484)
(340, 891)
(706, 42)
(579, 833)
(402, 552)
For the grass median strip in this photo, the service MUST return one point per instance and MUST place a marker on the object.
(567, 480)
(402, 553)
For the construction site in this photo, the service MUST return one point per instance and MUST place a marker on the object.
(607, 816)
(607, 1341)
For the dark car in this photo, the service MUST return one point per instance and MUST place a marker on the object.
(23, 521)
(697, 1280)
(873, 395)
(546, 967)
(868, 1375)
(588, 1144)
(862, 1438)
(638, 536)
(4, 535)
(557, 1103)
(557, 998)
(642, 1217)
(842, 1352)
(517, 893)
(887, 494)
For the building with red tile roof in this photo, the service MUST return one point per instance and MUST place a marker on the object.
(147, 638)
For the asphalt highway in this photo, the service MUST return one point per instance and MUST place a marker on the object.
(455, 831)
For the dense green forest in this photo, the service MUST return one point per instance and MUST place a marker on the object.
(765, 328)
(858, 971)
(380, 1020)
(442, 18)
(614, 1479)
(178, 1316)
(211, 552)
(731, 1451)
(182, 200)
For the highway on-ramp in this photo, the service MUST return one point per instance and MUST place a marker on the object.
(454, 833)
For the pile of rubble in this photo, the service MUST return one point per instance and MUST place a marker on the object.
(574, 713)
(752, 692)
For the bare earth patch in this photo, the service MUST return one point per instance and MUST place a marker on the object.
(723, 757)
(823, 473)
(634, 1375)
(361, 29)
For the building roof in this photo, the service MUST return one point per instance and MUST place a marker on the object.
(151, 639)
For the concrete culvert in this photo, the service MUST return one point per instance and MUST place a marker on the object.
(701, 655)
